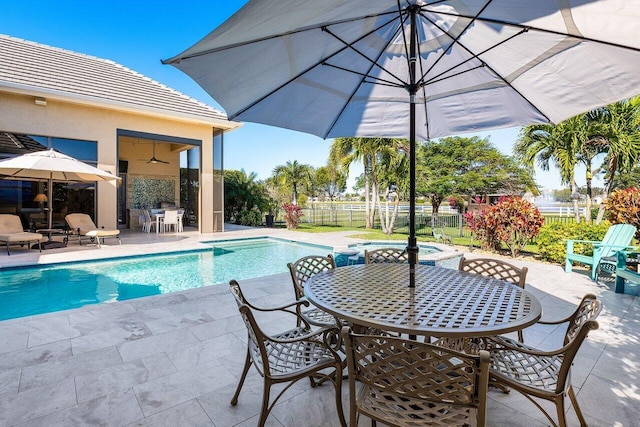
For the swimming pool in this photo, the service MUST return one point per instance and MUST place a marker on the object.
(357, 249)
(46, 289)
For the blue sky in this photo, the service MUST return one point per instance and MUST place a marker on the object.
(139, 33)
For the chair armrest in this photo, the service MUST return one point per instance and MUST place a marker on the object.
(583, 241)
(620, 247)
(279, 308)
(294, 308)
(308, 336)
(554, 322)
(326, 336)
(496, 344)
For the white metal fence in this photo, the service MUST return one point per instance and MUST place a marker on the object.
(353, 215)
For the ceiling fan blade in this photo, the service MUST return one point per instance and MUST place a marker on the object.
(154, 160)
(153, 156)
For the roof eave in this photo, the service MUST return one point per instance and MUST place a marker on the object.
(224, 124)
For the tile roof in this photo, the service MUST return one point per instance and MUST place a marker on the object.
(87, 79)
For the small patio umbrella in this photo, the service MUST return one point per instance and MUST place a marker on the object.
(51, 165)
(417, 69)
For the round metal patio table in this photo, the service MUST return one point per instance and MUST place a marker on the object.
(444, 302)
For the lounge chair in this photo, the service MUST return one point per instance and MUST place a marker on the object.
(11, 232)
(618, 238)
(83, 226)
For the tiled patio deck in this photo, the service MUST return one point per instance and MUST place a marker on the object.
(174, 360)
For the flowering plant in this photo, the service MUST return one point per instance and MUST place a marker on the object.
(623, 207)
(512, 221)
(457, 203)
(292, 215)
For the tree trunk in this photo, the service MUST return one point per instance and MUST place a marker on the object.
(367, 195)
(436, 201)
(374, 192)
(575, 198)
(587, 214)
(607, 191)
(375, 199)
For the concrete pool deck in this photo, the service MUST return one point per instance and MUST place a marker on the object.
(174, 359)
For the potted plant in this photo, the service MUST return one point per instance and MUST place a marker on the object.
(269, 217)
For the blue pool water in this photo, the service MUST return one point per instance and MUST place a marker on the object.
(343, 259)
(37, 290)
(424, 249)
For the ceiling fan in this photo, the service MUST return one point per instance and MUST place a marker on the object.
(153, 157)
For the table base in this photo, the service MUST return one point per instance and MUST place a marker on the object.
(50, 244)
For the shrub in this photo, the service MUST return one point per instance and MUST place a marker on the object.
(512, 221)
(623, 207)
(292, 215)
(456, 202)
(477, 221)
(552, 239)
(251, 217)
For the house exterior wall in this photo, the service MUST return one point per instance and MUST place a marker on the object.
(20, 114)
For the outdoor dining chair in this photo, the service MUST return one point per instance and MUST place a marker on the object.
(497, 269)
(545, 374)
(147, 223)
(411, 383)
(288, 356)
(386, 256)
(301, 271)
(171, 220)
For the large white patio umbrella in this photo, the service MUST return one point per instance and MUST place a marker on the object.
(51, 165)
(417, 69)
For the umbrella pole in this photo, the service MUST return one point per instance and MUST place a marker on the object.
(412, 244)
(50, 203)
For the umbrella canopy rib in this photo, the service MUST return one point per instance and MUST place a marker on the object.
(322, 61)
(459, 64)
(476, 56)
(177, 59)
(455, 39)
(351, 46)
(537, 29)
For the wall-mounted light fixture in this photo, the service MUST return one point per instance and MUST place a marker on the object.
(41, 101)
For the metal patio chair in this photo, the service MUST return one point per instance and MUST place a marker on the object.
(410, 383)
(288, 356)
(301, 271)
(386, 256)
(545, 374)
(497, 269)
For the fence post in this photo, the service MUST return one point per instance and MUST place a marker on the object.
(460, 224)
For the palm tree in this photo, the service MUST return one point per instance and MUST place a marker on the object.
(293, 175)
(373, 153)
(549, 144)
(345, 151)
(620, 132)
(613, 130)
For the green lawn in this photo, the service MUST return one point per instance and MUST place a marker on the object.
(362, 233)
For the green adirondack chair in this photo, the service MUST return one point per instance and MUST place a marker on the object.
(618, 238)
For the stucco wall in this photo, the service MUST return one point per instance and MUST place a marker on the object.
(20, 114)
